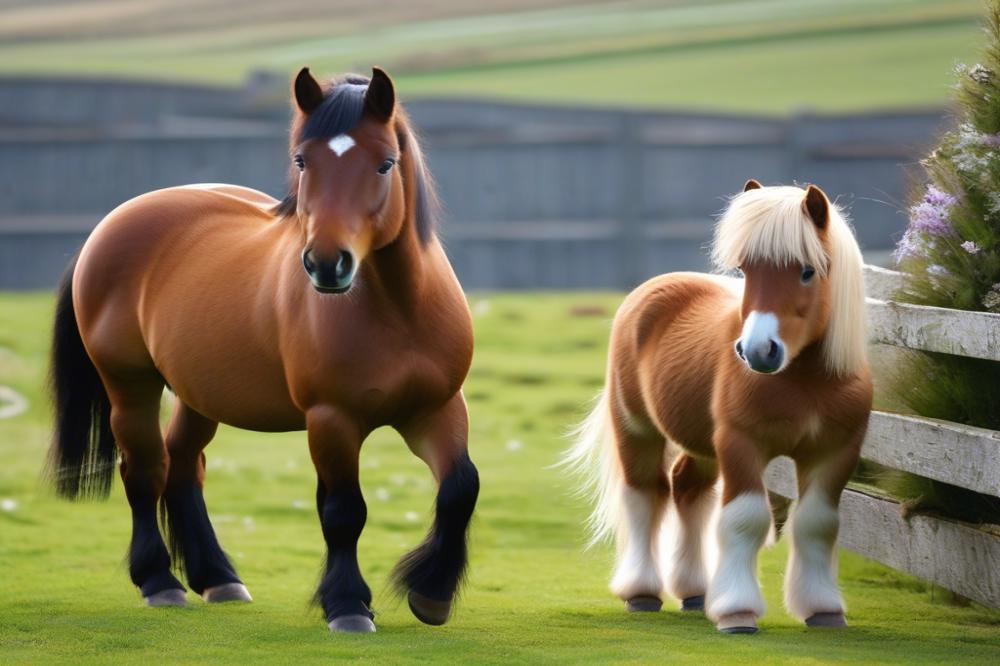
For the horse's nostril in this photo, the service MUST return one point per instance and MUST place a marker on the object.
(772, 351)
(739, 348)
(345, 265)
(308, 262)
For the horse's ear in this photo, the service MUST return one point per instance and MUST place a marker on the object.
(751, 185)
(308, 93)
(380, 98)
(817, 206)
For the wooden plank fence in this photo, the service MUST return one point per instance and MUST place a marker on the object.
(961, 557)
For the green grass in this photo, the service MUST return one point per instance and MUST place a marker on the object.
(772, 56)
(533, 594)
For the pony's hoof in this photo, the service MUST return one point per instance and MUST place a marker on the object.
(643, 605)
(831, 620)
(226, 592)
(696, 603)
(738, 623)
(352, 624)
(427, 610)
(169, 597)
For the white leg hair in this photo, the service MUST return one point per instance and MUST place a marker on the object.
(684, 540)
(811, 576)
(743, 525)
(636, 573)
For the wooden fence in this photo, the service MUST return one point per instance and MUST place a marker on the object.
(961, 557)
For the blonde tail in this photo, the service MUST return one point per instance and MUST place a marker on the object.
(593, 457)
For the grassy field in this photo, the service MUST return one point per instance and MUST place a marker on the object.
(761, 55)
(533, 594)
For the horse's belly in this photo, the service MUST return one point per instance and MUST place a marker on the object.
(251, 398)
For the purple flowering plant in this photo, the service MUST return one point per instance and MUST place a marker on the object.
(951, 246)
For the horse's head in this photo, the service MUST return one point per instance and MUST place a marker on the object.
(779, 238)
(347, 191)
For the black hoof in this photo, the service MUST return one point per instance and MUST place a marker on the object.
(427, 610)
(738, 623)
(696, 603)
(352, 624)
(227, 592)
(828, 620)
(643, 605)
(170, 597)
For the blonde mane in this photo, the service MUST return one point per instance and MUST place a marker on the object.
(770, 224)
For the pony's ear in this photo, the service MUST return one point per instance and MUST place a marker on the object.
(751, 185)
(308, 93)
(817, 206)
(380, 98)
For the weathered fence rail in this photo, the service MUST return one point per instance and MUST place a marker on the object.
(961, 557)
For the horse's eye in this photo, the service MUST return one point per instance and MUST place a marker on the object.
(807, 274)
(386, 166)
(299, 162)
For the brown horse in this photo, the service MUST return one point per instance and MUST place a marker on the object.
(334, 311)
(708, 375)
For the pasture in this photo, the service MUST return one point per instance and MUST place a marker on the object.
(774, 57)
(532, 596)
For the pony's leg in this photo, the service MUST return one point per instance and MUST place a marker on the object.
(135, 407)
(734, 600)
(335, 444)
(432, 572)
(811, 591)
(692, 482)
(643, 500)
(192, 539)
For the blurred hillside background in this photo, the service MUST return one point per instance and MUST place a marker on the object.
(576, 144)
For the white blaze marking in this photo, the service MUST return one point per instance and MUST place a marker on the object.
(759, 329)
(341, 143)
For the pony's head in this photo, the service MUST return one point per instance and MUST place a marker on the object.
(803, 277)
(357, 175)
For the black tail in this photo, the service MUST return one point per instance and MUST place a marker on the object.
(83, 451)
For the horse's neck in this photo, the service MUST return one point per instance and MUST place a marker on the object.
(399, 270)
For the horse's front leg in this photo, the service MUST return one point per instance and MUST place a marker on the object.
(335, 444)
(432, 572)
(733, 599)
(811, 591)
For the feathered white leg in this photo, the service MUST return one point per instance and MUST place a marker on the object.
(811, 591)
(636, 574)
(734, 591)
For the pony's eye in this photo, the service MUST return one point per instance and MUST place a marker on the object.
(386, 166)
(807, 274)
(299, 162)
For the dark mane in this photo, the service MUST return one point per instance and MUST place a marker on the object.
(340, 111)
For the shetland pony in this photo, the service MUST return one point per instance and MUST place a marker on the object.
(334, 311)
(711, 376)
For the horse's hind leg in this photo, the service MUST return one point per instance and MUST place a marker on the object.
(643, 498)
(692, 482)
(135, 406)
(432, 572)
(192, 539)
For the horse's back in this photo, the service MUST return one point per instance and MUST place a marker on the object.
(152, 243)
(665, 351)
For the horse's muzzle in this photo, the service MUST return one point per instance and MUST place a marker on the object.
(766, 357)
(330, 276)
